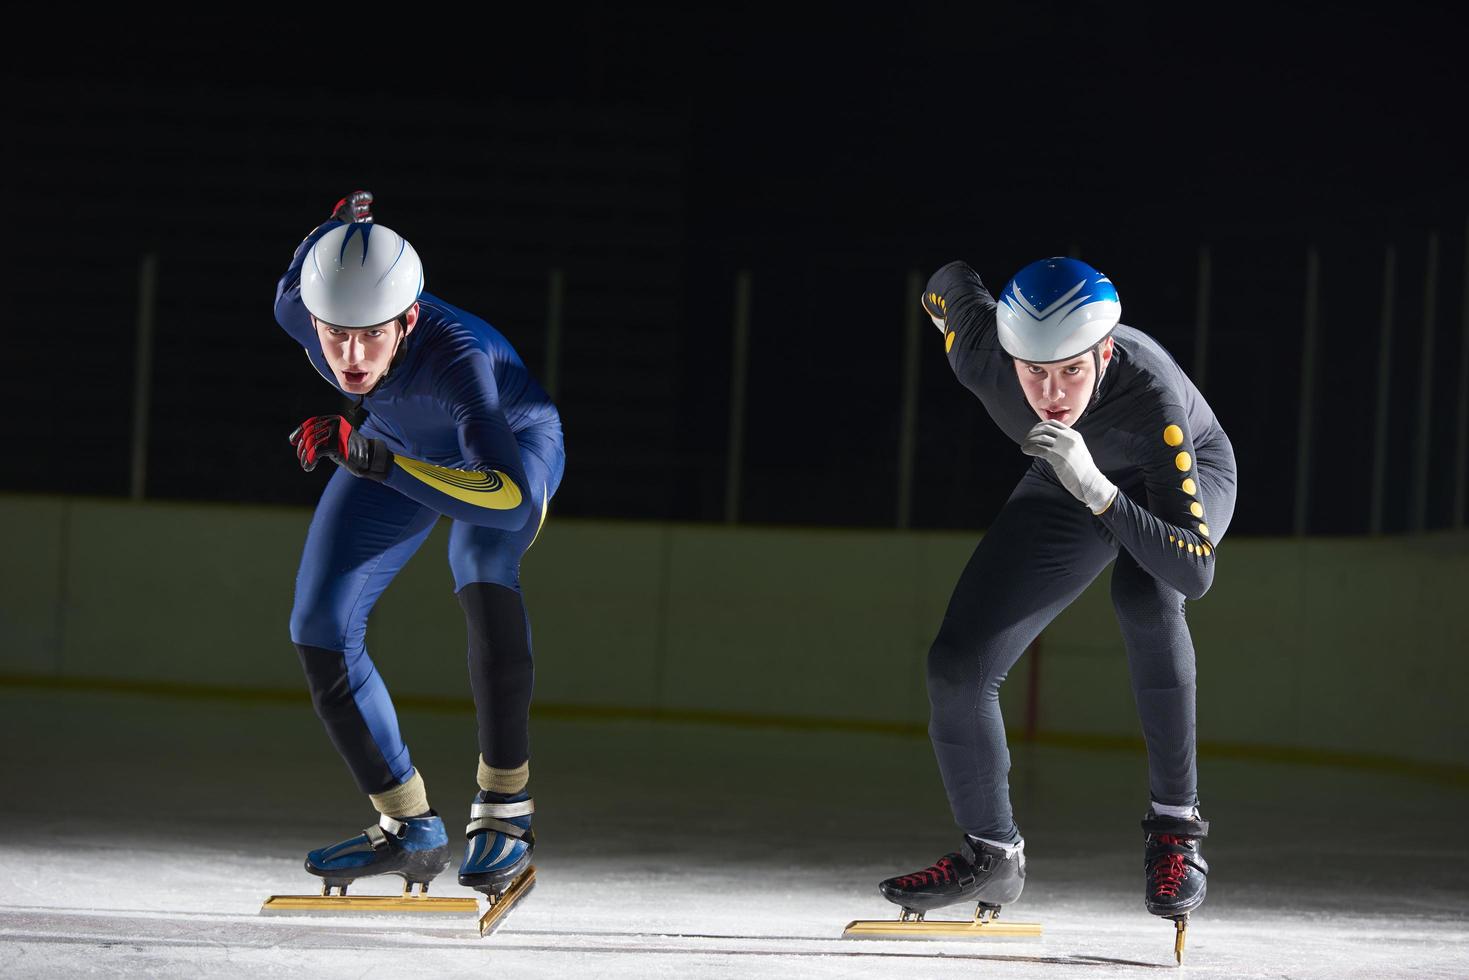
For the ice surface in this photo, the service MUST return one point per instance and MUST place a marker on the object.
(143, 833)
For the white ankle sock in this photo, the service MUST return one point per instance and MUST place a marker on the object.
(1181, 812)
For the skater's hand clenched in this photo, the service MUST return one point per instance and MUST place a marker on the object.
(1066, 451)
(332, 437)
(937, 310)
(355, 207)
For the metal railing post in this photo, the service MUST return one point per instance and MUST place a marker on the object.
(738, 371)
(1384, 387)
(1423, 443)
(1308, 388)
(143, 373)
(907, 436)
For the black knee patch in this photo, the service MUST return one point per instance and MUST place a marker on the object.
(501, 670)
(331, 695)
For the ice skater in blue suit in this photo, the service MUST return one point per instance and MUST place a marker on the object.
(447, 422)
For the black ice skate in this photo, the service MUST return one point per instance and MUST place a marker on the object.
(986, 874)
(1175, 872)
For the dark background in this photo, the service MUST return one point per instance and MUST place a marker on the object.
(652, 155)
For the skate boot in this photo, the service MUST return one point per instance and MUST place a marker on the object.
(977, 872)
(1175, 871)
(500, 841)
(497, 856)
(416, 849)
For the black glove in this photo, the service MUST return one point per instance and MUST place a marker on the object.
(356, 206)
(332, 437)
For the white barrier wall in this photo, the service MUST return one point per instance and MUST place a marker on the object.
(1338, 645)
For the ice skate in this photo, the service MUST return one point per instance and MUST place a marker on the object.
(1175, 870)
(497, 854)
(979, 872)
(416, 849)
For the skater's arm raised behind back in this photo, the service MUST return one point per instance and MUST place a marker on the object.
(290, 312)
(960, 305)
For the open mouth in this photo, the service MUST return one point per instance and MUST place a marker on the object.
(1057, 415)
(354, 377)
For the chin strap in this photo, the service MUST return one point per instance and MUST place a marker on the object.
(1101, 370)
(1096, 388)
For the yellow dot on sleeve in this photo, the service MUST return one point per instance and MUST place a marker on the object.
(1183, 461)
(949, 342)
(1173, 435)
(1208, 550)
(1196, 509)
(1204, 530)
(1189, 487)
(1190, 549)
(1180, 543)
(1171, 539)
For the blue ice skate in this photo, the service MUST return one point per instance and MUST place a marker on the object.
(500, 841)
(416, 849)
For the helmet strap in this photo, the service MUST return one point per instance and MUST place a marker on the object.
(1097, 384)
(356, 415)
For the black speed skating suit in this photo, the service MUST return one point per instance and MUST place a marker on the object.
(1151, 433)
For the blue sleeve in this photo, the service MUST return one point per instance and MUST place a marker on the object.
(491, 490)
(290, 312)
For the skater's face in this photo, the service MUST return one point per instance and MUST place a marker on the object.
(360, 356)
(1061, 392)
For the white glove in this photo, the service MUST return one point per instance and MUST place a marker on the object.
(1066, 451)
(937, 310)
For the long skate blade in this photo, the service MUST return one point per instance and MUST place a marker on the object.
(500, 907)
(936, 929)
(1180, 931)
(335, 904)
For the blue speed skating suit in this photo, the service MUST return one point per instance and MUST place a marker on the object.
(475, 439)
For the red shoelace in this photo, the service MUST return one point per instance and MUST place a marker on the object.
(1169, 870)
(934, 874)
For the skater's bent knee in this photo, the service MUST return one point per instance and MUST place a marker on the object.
(1146, 606)
(949, 667)
(956, 671)
(323, 627)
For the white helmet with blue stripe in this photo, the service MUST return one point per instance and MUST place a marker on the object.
(1055, 309)
(361, 275)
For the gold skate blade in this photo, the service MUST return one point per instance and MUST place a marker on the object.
(500, 906)
(306, 904)
(936, 929)
(1180, 932)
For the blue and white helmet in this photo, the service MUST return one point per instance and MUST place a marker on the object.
(361, 275)
(1055, 309)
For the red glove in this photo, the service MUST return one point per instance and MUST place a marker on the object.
(332, 437)
(356, 206)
